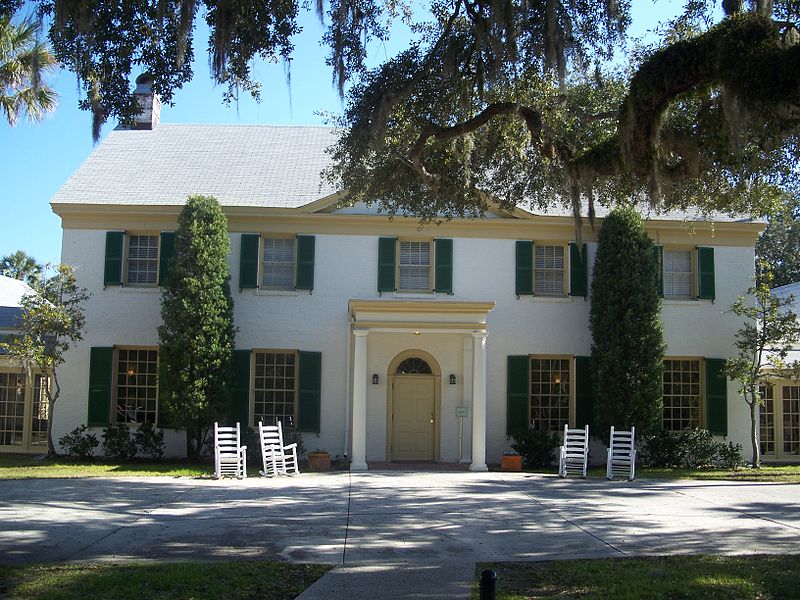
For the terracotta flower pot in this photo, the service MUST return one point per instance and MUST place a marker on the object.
(511, 462)
(319, 461)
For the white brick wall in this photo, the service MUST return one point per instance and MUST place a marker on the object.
(346, 268)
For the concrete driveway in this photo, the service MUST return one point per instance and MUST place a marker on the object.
(387, 525)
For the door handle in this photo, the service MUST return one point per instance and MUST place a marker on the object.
(432, 419)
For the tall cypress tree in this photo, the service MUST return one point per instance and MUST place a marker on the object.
(197, 335)
(627, 331)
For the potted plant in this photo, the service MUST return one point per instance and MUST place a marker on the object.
(511, 461)
(319, 460)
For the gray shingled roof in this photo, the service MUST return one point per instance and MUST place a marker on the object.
(241, 165)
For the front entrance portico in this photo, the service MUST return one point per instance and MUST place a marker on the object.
(449, 335)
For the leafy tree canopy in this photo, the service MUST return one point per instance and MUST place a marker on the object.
(779, 245)
(25, 61)
(765, 342)
(22, 266)
(514, 99)
(53, 321)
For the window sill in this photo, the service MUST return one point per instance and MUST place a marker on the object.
(685, 301)
(414, 295)
(555, 298)
(261, 292)
(136, 289)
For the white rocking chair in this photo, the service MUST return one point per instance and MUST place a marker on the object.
(573, 456)
(277, 458)
(230, 457)
(622, 454)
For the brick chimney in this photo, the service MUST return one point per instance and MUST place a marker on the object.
(150, 115)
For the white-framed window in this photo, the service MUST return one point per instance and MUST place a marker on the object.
(136, 385)
(550, 392)
(414, 266)
(766, 417)
(779, 420)
(548, 270)
(12, 408)
(278, 263)
(141, 263)
(275, 386)
(790, 401)
(682, 394)
(679, 277)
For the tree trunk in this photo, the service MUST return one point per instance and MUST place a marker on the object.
(51, 405)
(754, 434)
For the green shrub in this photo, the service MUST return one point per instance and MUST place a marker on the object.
(118, 443)
(78, 443)
(730, 456)
(662, 450)
(150, 441)
(250, 439)
(699, 449)
(538, 448)
(293, 436)
(691, 449)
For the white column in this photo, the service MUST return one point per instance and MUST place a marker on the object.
(478, 401)
(359, 457)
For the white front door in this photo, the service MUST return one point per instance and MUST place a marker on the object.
(413, 417)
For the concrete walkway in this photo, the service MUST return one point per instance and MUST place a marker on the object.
(391, 534)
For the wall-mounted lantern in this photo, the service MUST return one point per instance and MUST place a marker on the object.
(375, 379)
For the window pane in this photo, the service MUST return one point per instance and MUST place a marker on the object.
(678, 273)
(550, 393)
(766, 416)
(278, 263)
(137, 386)
(548, 275)
(681, 397)
(275, 391)
(143, 259)
(12, 408)
(40, 412)
(791, 419)
(415, 266)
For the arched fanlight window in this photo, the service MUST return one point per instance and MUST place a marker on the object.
(414, 366)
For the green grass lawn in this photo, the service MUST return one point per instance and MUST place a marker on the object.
(39, 467)
(265, 580)
(775, 473)
(658, 577)
(768, 473)
(30, 467)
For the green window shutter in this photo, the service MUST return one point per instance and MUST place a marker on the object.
(101, 365)
(444, 266)
(705, 273)
(517, 390)
(240, 398)
(165, 253)
(578, 271)
(248, 261)
(716, 396)
(387, 251)
(112, 275)
(584, 398)
(524, 279)
(658, 252)
(310, 385)
(304, 277)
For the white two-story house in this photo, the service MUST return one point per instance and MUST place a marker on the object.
(381, 340)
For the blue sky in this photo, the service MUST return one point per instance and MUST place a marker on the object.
(38, 159)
